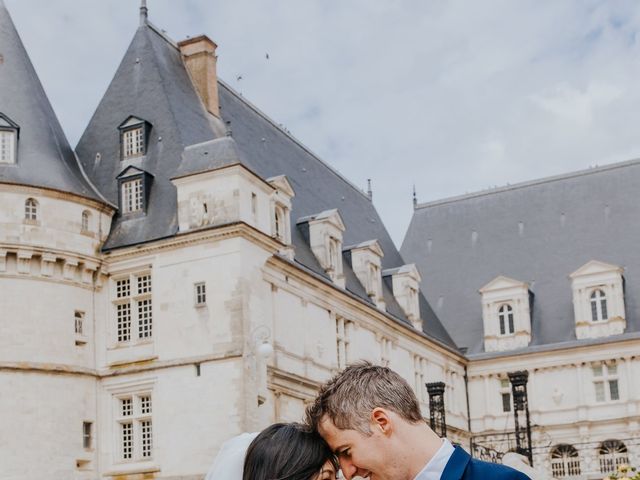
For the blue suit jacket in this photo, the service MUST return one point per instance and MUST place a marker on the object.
(462, 467)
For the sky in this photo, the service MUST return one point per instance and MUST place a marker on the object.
(451, 96)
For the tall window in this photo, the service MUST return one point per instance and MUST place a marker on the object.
(200, 294)
(79, 322)
(133, 142)
(605, 382)
(134, 314)
(7, 146)
(278, 219)
(85, 221)
(565, 461)
(87, 439)
(31, 210)
(135, 427)
(612, 454)
(505, 315)
(420, 368)
(342, 342)
(598, 306)
(385, 352)
(505, 394)
(132, 196)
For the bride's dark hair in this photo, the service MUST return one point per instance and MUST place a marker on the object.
(286, 451)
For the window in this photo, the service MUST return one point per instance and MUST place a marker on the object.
(31, 210)
(598, 306)
(133, 142)
(279, 223)
(605, 382)
(201, 294)
(565, 461)
(254, 205)
(505, 316)
(505, 394)
(133, 305)
(79, 321)
(419, 368)
(135, 432)
(385, 352)
(85, 221)
(132, 196)
(7, 146)
(87, 439)
(612, 454)
(342, 342)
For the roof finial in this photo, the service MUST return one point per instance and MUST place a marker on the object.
(415, 197)
(369, 192)
(144, 12)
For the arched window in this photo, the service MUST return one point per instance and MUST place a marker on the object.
(85, 221)
(612, 454)
(598, 306)
(565, 461)
(505, 315)
(31, 210)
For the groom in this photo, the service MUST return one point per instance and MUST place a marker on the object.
(371, 419)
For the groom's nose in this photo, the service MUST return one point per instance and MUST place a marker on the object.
(349, 470)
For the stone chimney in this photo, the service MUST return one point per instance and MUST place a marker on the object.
(199, 56)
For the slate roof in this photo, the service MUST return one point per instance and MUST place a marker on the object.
(153, 84)
(537, 232)
(45, 158)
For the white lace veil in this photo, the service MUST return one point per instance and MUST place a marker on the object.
(230, 460)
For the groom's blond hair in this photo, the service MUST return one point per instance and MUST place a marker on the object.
(349, 398)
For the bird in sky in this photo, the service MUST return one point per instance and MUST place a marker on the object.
(239, 78)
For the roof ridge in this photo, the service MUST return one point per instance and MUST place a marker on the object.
(529, 183)
(291, 137)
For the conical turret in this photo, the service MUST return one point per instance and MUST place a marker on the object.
(35, 150)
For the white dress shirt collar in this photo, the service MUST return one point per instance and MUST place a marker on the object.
(434, 468)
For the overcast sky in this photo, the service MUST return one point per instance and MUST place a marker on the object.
(454, 96)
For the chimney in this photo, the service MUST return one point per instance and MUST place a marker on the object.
(199, 56)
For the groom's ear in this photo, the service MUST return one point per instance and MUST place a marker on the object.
(380, 420)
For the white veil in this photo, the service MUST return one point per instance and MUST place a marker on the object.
(229, 462)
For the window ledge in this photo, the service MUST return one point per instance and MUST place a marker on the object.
(132, 361)
(132, 469)
(88, 233)
(31, 222)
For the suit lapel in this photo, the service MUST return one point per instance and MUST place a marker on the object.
(456, 465)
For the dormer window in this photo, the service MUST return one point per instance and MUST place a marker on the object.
(325, 239)
(505, 316)
(7, 146)
(366, 261)
(598, 306)
(598, 300)
(134, 185)
(405, 283)
(8, 140)
(132, 196)
(133, 138)
(280, 211)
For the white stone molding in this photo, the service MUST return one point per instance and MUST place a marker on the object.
(3, 260)
(512, 297)
(47, 267)
(366, 261)
(591, 279)
(70, 268)
(24, 261)
(405, 282)
(325, 239)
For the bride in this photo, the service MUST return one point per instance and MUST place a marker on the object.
(284, 451)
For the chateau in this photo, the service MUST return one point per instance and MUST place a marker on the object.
(191, 271)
